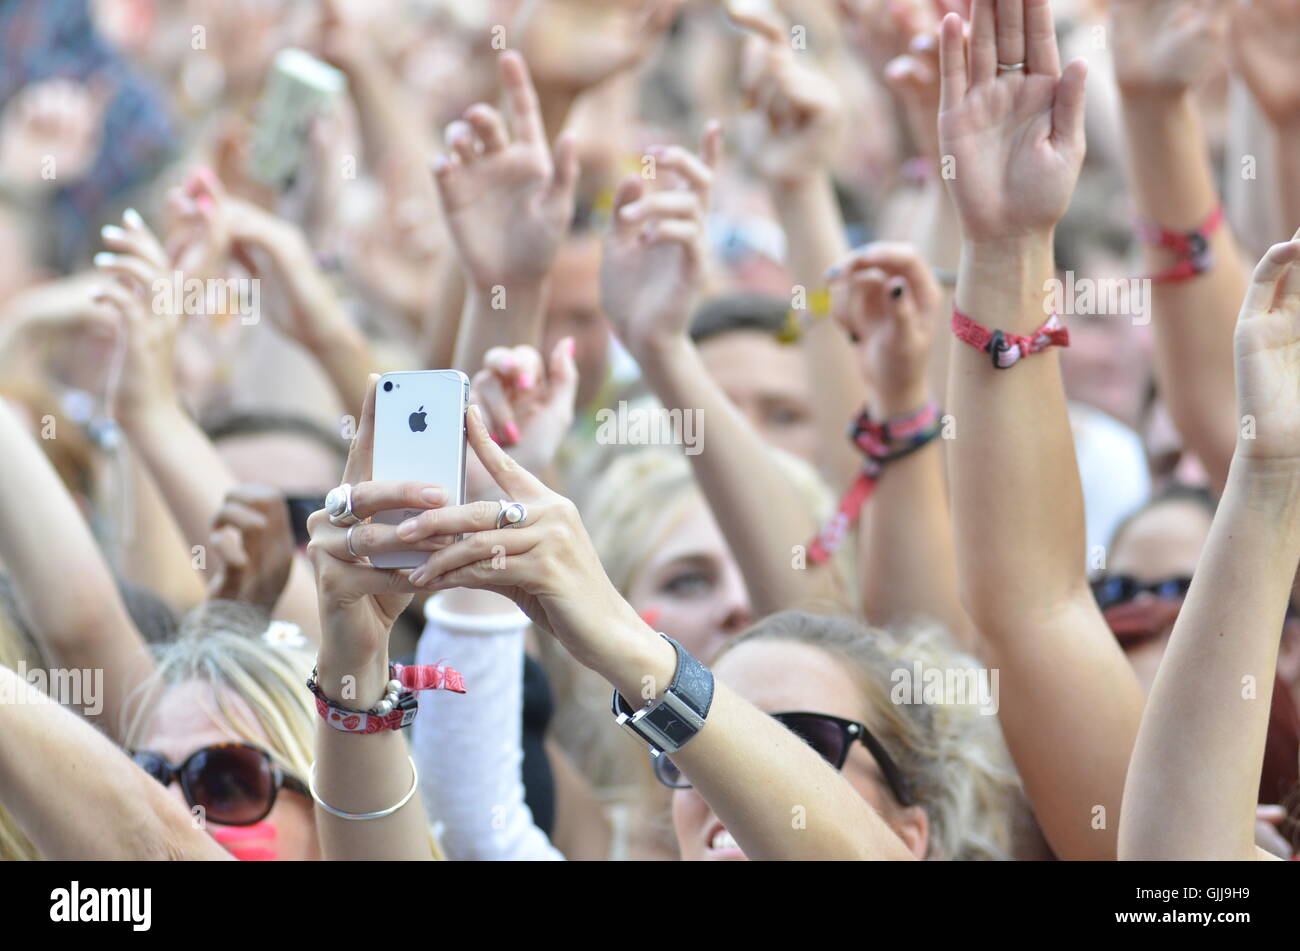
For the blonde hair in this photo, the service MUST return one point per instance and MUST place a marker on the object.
(952, 756)
(220, 643)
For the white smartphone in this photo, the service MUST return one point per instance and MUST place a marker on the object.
(419, 437)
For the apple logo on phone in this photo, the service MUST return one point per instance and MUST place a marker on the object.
(418, 425)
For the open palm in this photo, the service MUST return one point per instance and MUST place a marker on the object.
(1012, 138)
(1268, 357)
(508, 201)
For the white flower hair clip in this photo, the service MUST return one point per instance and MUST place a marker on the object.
(284, 634)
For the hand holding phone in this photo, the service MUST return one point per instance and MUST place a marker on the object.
(419, 437)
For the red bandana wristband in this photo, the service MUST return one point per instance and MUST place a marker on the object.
(880, 443)
(1007, 349)
(399, 706)
(1192, 247)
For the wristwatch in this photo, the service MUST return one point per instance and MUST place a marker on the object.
(669, 723)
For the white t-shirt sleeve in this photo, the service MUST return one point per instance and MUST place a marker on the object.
(469, 747)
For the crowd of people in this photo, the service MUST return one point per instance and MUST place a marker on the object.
(871, 453)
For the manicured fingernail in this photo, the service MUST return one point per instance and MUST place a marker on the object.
(570, 346)
(132, 218)
(650, 616)
(204, 201)
(526, 381)
(433, 495)
(408, 528)
(512, 433)
(103, 259)
(495, 438)
(418, 576)
(112, 232)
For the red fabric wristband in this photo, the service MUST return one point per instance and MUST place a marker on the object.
(1192, 247)
(1007, 349)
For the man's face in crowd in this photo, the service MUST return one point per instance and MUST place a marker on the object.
(573, 310)
(768, 382)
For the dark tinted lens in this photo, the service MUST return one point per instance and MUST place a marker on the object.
(1113, 590)
(153, 764)
(668, 774)
(824, 735)
(1173, 588)
(233, 784)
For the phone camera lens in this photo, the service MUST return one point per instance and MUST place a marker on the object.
(388, 387)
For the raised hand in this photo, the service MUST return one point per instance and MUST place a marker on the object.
(887, 300)
(547, 565)
(50, 133)
(359, 603)
(795, 111)
(1267, 346)
(655, 257)
(253, 542)
(141, 296)
(914, 79)
(507, 198)
(1015, 134)
(1265, 47)
(885, 29)
(1164, 47)
(574, 45)
(526, 406)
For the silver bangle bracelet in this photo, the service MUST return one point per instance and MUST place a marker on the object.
(311, 785)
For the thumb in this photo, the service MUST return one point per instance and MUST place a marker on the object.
(1067, 111)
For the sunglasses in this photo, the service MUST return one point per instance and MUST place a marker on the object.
(235, 784)
(1111, 590)
(831, 737)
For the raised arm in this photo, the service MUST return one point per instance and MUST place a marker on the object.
(1265, 38)
(1194, 779)
(1070, 703)
(794, 125)
(1162, 49)
(360, 774)
(63, 585)
(509, 203)
(652, 271)
(184, 464)
(887, 301)
(77, 796)
(752, 771)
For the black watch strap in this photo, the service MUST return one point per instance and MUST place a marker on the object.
(668, 724)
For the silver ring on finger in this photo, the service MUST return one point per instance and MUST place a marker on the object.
(1011, 67)
(356, 556)
(512, 514)
(338, 503)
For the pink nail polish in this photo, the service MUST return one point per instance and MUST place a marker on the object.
(570, 346)
(526, 381)
(512, 432)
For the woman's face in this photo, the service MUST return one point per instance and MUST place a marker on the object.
(187, 719)
(1161, 544)
(690, 587)
(786, 677)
